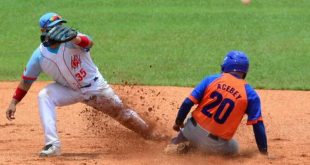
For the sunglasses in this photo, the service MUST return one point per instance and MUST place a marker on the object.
(52, 19)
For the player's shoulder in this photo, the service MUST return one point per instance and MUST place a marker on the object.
(249, 87)
(37, 52)
(37, 49)
(207, 80)
(251, 92)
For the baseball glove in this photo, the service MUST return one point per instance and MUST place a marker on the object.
(58, 34)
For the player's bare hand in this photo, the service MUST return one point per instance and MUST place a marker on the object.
(177, 127)
(10, 112)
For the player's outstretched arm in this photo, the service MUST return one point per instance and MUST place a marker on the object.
(183, 111)
(20, 92)
(260, 137)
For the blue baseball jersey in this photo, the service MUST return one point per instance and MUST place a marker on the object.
(253, 109)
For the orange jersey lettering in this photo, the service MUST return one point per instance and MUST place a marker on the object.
(222, 107)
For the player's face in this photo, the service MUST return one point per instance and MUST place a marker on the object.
(49, 28)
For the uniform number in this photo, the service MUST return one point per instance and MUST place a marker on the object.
(81, 74)
(226, 103)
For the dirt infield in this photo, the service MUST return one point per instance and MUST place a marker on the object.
(89, 137)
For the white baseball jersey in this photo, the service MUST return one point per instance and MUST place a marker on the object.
(69, 65)
(77, 80)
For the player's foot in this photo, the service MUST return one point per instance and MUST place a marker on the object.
(156, 136)
(180, 138)
(181, 148)
(50, 150)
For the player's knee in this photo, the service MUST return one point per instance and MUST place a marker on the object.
(233, 148)
(116, 100)
(126, 114)
(43, 95)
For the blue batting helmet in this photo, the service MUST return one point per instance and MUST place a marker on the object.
(235, 61)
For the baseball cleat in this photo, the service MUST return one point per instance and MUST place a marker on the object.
(50, 150)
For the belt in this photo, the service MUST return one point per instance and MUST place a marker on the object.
(210, 135)
(89, 85)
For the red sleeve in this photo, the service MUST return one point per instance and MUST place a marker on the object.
(85, 42)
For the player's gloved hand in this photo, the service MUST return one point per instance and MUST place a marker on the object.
(61, 34)
(177, 127)
(10, 112)
(178, 124)
(58, 34)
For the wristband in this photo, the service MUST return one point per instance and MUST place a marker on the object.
(84, 42)
(19, 94)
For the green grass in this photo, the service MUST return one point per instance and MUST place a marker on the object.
(171, 42)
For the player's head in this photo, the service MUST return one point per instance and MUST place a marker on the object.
(49, 20)
(236, 61)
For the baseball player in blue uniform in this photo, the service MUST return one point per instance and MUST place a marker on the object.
(223, 99)
(64, 55)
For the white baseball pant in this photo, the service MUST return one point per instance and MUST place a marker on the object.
(103, 99)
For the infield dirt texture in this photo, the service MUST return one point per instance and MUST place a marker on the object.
(162, 43)
(89, 137)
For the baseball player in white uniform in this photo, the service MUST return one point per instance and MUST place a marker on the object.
(77, 79)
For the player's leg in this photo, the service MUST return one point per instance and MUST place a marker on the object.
(220, 146)
(230, 147)
(202, 140)
(109, 103)
(180, 138)
(178, 145)
(51, 96)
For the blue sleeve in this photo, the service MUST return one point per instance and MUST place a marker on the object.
(196, 96)
(260, 137)
(183, 111)
(199, 90)
(254, 107)
(33, 68)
